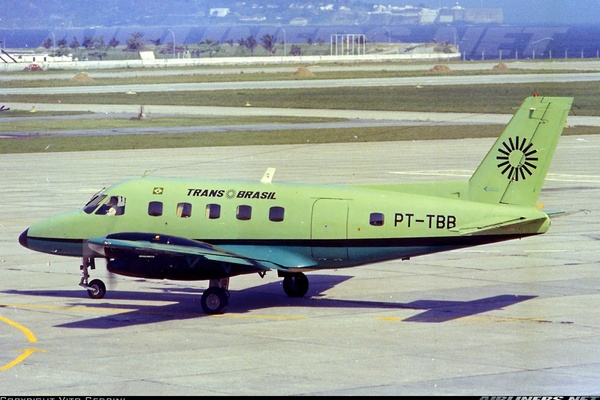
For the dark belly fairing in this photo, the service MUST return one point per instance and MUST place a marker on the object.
(184, 268)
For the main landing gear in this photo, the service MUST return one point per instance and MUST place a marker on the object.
(96, 289)
(216, 298)
(295, 285)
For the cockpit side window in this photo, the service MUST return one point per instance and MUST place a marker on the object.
(93, 203)
(115, 205)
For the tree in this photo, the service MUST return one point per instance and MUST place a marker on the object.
(113, 43)
(209, 46)
(62, 47)
(87, 42)
(135, 42)
(74, 43)
(268, 42)
(92, 43)
(47, 44)
(250, 44)
(168, 48)
(296, 50)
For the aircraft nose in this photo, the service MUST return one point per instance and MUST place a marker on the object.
(23, 238)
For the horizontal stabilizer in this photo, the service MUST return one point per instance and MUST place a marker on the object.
(561, 213)
(497, 225)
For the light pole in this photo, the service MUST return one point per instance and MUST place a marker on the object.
(53, 44)
(173, 33)
(284, 41)
(389, 35)
(454, 35)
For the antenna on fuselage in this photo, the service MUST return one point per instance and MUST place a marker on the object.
(268, 176)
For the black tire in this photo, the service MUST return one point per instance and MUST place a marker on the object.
(295, 285)
(98, 289)
(214, 300)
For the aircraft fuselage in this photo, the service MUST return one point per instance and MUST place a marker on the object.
(311, 226)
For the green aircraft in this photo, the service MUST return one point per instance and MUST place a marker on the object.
(182, 229)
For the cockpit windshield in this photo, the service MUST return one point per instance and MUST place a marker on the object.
(93, 203)
(105, 205)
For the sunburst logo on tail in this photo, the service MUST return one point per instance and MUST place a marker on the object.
(517, 159)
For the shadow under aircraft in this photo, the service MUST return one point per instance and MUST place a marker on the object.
(183, 306)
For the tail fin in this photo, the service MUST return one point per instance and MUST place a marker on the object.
(514, 169)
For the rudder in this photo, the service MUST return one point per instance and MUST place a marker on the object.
(514, 169)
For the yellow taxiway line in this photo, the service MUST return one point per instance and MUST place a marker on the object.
(25, 352)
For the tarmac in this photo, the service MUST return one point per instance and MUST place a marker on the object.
(513, 318)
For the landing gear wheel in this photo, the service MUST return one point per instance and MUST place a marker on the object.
(97, 289)
(214, 300)
(295, 285)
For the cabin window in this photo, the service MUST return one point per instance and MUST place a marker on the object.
(155, 208)
(243, 213)
(376, 219)
(184, 210)
(213, 211)
(276, 214)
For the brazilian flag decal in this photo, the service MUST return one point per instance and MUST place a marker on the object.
(157, 190)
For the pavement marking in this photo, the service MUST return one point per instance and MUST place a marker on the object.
(25, 352)
(30, 336)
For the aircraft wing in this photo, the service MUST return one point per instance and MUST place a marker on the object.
(150, 244)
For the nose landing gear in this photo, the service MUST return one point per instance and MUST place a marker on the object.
(96, 289)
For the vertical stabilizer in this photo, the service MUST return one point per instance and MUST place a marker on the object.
(514, 169)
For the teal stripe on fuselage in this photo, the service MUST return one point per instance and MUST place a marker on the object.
(297, 253)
